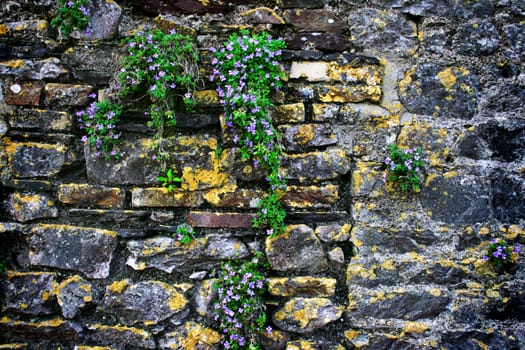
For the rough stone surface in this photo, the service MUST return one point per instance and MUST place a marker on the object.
(64, 95)
(307, 135)
(147, 302)
(49, 68)
(29, 206)
(89, 250)
(29, 292)
(304, 315)
(54, 329)
(314, 21)
(24, 94)
(322, 165)
(306, 286)
(132, 336)
(191, 335)
(73, 294)
(45, 120)
(105, 19)
(297, 249)
(84, 195)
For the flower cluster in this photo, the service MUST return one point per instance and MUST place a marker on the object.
(184, 234)
(162, 65)
(239, 306)
(247, 70)
(99, 122)
(405, 168)
(500, 254)
(72, 15)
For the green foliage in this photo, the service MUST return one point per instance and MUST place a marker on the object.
(169, 180)
(247, 70)
(99, 121)
(239, 307)
(501, 255)
(184, 234)
(72, 15)
(164, 67)
(405, 168)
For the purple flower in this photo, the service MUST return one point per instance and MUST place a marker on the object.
(84, 138)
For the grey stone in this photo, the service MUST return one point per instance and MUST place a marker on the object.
(73, 294)
(326, 42)
(470, 340)
(166, 254)
(296, 137)
(193, 333)
(508, 197)
(297, 249)
(382, 32)
(105, 18)
(29, 292)
(505, 139)
(323, 165)
(92, 64)
(56, 330)
(43, 120)
(147, 302)
(456, 199)
(476, 37)
(337, 255)
(50, 68)
(31, 206)
(88, 250)
(305, 315)
(449, 8)
(204, 297)
(439, 90)
(121, 335)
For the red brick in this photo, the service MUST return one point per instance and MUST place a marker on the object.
(24, 94)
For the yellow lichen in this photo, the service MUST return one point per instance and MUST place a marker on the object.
(118, 286)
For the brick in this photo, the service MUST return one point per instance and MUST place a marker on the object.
(24, 94)
(85, 195)
(218, 220)
(67, 95)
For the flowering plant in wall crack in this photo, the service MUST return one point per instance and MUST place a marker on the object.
(184, 234)
(239, 306)
(99, 121)
(500, 254)
(72, 15)
(246, 70)
(162, 67)
(404, 168)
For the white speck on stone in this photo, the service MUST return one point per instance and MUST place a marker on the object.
(330, 20)
(15, 88)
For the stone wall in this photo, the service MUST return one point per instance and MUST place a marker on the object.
(90, 258)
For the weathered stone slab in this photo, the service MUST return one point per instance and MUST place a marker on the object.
(210, 219)
(311, 71)
(73, 294)
(31, 159)
(323, 165)
(30, 31)
(302, 4)
(24, 94)
(26, 207)
(91, 64)
(315, 21)
(261, 15)
(168, 255)
(297, 137)
(347, 93)
(42, 120)
(161, 197)
(104, 18)
(307, 197)
(122, 335)
(305, 315)
(232, 197)
(333, 232)
(508, 197)
(67, 95)
(288, 113)
(55, 329)
(85, 195)
(296, 249)
(49, 68)
(90, 250)
(193, 333)
(306, 286)
(29, 292)
(147, 302)
(325, 112)
(326, 42)
(476, 37)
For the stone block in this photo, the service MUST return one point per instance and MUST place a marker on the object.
(218, 220)
(67, 95)
(326, 42)
(367, 180)
(288, 113)
(42, 120)
(168, 255)
(30, 31)
(85, 195)
(26, 207)
(333, 232)
(305, 315)
(29, 293)
(308, 197)
(321, 165)
(325, 112)
(191, 333)
(105, 16)
(73, 294)
(161, 197)
(55, 329)
(315, 21)
(310, 71)
(91, 64)
(262, 15)
(300, 137)
(302, 286)
(296, 249)
(24, 94)
(90, 250)
(232, 197)
(122, 335)
(302, 4)
(49, 68)
(347, 93)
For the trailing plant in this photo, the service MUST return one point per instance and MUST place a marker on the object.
(72, 15)
(162, 67)
(239, 308)
(99, 121)
(405, 168)
(169, 180)
(184, 234)
(501, 255)
(246, 70)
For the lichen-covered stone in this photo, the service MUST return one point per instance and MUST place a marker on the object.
(146, 302)
(262, 15)
(168, 255)
(296, 249)
(31, 206)
(322, 165)
(54, 329)
(288, 113)
(90, 250)
(325, 112)
(311, 196)
(122, 335)
(307, 135)
(162, 197)
(312, 345)
(348, 93)
(91, 64)
(29, 292)
(73, 294)
(39, 119)
(305, 315)
(333, 232)
(105, 18)
(67, 95)
(24, 94)
(476, 37)
(191, 335)
(85, 195)
(314, 21)
(302, 286)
